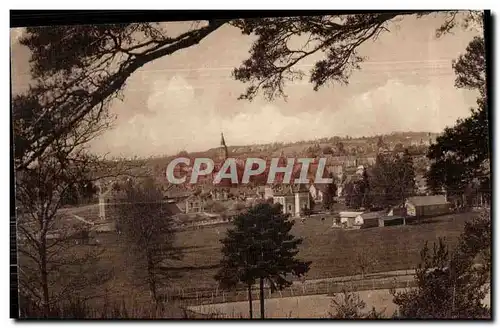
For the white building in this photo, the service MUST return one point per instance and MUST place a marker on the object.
(348, 219)
(293, 199)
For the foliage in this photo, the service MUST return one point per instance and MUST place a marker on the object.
(79, 69)
(398, 148)
(260, 247)
(364, 262)
(327, 150)
(392, 180)
(460, 156)
(349, 305)
(51, 264)
(470, 68)
(128, 308)
(215, 206)
(147, 225)
(329, 194)
(356, 191)
(339, 146)
(313, 151)
(452, 285)
(273, 58)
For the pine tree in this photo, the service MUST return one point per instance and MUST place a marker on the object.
(452, 284)
(260, 248)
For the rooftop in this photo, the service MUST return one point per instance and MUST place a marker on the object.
(427, 200)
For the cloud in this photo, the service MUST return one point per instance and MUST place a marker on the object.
(177, 119)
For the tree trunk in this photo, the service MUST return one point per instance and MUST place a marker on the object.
(44, 278)
(250, 308)
(262, 298)
(152, 282)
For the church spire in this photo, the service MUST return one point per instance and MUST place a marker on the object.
(223, 147)
(222, 141)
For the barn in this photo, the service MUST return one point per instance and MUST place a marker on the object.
(369, 219)
(421, 206)
(348, 219)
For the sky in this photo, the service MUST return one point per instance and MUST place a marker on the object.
(185, 100)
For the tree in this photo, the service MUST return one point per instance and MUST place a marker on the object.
(349, 305)
(380, 142)
(364, 262)
(340, 148)
(327, 150)
(353, 198)
(461, 154)
(452, 285)
(51, 265)
(260, 247)
(313, 151)
(392, 180)
(364, 188)
(147, 225)
(79, 69)
(65, 173)
(398, 148)
(214, 206)
(329, 193)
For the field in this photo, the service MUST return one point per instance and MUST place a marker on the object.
(333, 252)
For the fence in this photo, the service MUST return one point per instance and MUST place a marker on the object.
(192, 297)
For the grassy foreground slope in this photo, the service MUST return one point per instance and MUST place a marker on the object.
(333, 252)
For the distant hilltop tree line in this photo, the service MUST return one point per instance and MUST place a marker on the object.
(416, 142)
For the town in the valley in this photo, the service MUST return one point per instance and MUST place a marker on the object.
(348, 161)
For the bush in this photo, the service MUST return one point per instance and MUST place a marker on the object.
(78, 308)
(349, 305)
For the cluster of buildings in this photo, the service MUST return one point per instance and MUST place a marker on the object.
(295, 199)
(414, 207)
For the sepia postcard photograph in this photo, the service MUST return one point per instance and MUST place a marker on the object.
(251, 165)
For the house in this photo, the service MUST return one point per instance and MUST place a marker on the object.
(386, 220)
(369, 219)
(195, 204)
(177, 194)
(293, 199)
(397, 211)
(219, 194)
(421, 206)
(318, 192)
(268, 192)
(367, 161)
(334, 169)
(348, 219)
